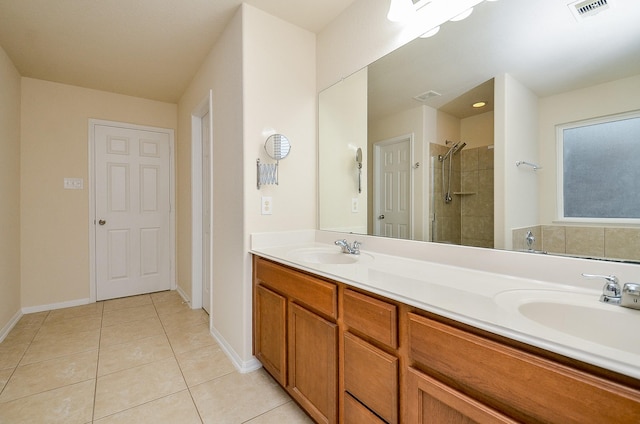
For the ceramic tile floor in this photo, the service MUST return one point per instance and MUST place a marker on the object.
(141, 359)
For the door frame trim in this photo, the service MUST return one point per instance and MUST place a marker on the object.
(92, 198)
(376, 179)
(205, 105)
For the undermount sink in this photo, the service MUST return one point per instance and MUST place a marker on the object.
(577, 314)
(326, 255)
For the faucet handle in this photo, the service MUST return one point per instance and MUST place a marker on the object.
(355, 249)
(611, 292)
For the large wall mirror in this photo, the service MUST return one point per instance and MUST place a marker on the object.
(432, 167)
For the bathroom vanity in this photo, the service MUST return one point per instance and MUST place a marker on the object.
(355, 340)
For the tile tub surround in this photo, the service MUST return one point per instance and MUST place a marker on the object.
(146, 358)
(460, 283)
(589, 241)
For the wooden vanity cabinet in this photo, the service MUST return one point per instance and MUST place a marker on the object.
(270, 332)
(296, 335)
(370, 362)
(525, 386)
(430, 401)
(347, 356)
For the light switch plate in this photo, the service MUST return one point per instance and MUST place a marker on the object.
(267, 205)
(354, 205)
(73, 183)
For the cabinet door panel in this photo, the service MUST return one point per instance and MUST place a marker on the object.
(313, 363)
(270, 332)
(430, 401)
(538, 389)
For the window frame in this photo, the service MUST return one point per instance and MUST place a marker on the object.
(560, 128)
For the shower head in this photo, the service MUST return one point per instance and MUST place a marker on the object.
(452, 150)
(458, 147)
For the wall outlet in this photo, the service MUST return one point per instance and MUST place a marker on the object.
(267, 205)
(73, 183)
(354, 205)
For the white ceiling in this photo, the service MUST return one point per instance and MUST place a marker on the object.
(538, 42)
(143, 48)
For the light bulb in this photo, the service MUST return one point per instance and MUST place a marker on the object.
(400, 10)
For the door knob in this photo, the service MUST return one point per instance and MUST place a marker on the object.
(381, 217)
(102, 222)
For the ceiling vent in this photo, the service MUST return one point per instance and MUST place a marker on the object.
(582, 9)
(426, 96)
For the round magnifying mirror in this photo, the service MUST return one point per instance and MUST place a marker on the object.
(277, 146)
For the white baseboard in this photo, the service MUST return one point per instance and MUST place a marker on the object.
(52, 306)
(183, 295)
(9, 326)
(243, 367)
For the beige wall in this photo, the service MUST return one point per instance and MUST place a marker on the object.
(262, 74)
(279, 92)
(9, 192)
(55, 222)
(342, 119)
(221, 72)
(600, 100)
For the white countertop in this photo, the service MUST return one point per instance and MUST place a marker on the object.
(482, 299)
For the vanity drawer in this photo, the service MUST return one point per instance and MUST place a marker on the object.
(357, 413)
(371, 376)
(373, 317)
(314, 293)
(528, 387)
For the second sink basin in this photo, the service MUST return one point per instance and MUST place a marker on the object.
(576, 314)
(326, 255)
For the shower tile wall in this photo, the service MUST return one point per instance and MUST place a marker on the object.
(468, 219)
(477, 197)
(446, 228)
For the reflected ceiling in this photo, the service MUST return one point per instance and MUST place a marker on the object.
(535, 43)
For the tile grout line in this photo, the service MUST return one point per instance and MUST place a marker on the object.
(22, 356)
(95, 385)
(178, 362)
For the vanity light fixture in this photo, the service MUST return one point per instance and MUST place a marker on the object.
(463, 15)
(401, 10)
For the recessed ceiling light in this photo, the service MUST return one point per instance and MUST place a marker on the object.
(479, 104)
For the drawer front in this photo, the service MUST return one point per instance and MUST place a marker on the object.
(373, 317)
(316, 294)
(356, 413)
(532, 388)
(371, 376)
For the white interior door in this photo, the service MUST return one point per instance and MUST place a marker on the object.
(392, 180)
(132, 207)
(206, 214)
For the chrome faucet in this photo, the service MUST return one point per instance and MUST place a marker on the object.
(353, 250)
(628, 296)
